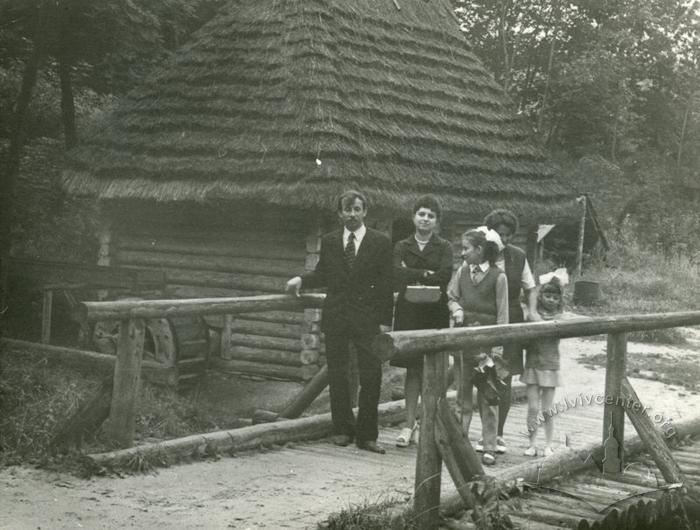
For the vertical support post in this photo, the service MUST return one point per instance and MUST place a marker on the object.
(46, 310)
(426, 501)
(225, 351)
(581, 234)
(614, 412)
(104, 238)
(127, 380)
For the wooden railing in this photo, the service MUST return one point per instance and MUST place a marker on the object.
(131, 314)
(447, 443)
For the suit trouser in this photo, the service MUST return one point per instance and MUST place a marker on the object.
(488, 413)
(338, 341)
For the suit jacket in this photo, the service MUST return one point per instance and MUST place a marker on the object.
(362, 296)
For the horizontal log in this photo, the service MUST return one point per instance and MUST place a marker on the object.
(242, 439)
(42, 273)
(265, 343)
(282, 249)
(262, 355)
(206, 278)
(190, 228)
(282, 317)
(268, 329)
(283, 269)
(201, 291)
(121, 309)
(409, 345)
(276, 371)
(90, 361)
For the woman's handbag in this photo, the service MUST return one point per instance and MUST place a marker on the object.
(423, 294)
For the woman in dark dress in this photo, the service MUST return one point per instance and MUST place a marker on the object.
(424, 258)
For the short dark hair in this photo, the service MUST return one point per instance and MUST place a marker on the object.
(349, 196)
(501, 217)
(429, 202)
(478, 239)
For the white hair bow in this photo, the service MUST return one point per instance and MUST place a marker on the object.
(492, 235)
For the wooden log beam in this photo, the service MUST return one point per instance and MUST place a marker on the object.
(265, 342)
(301, 401)
(264, 356)
(278, 371)
(613, 412)
(216, 247)
(244, 438)
(229, 280)
(44, 272)
(127, 381)
(283, 269)
(90, 361)
(124, 309)
(652, 438)
(426, 499)
(410, 345)
(460, 459)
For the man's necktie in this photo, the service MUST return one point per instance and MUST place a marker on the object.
(350, 251)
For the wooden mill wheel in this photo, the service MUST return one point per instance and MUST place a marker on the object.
(176, 341)
(159, 342)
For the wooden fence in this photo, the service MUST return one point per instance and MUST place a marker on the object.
(131, 314)
(447, 443)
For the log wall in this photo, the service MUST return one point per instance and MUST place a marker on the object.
(244, 251)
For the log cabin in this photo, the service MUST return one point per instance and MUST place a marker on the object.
(221, 169)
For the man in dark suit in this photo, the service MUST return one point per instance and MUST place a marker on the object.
(355, 268)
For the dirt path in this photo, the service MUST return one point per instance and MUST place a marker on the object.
(294, 487)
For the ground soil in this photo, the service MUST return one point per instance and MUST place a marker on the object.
(293, 487)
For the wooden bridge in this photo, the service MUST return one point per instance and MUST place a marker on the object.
(603, 486)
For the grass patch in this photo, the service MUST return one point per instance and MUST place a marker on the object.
(38, 395)
(636, 280)
(371, 516)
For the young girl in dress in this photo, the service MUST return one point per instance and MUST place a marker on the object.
(541, 373)
(478, 296)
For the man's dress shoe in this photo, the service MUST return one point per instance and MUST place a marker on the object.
(371, 446)
(341, 439)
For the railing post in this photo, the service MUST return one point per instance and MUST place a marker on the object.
(46, 310)
(614, 412)
(127, 379)
(426, 501)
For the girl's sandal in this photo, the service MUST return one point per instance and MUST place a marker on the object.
(404, 437)
(488, 458)
(530, 451)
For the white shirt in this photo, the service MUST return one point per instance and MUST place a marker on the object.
(359, 236)
(527, 280)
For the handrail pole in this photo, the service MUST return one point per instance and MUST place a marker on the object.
(127, 378)
(614, 411)
(426, 501)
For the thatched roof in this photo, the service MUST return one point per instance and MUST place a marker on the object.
(291, 102)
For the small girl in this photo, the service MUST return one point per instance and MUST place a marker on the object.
(478, 296)
(541, 373)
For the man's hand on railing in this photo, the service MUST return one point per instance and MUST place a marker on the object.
(458, 317)
(293, 286)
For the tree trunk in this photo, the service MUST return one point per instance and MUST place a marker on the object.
(502, 26)
(64, 66)
(18, 131)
